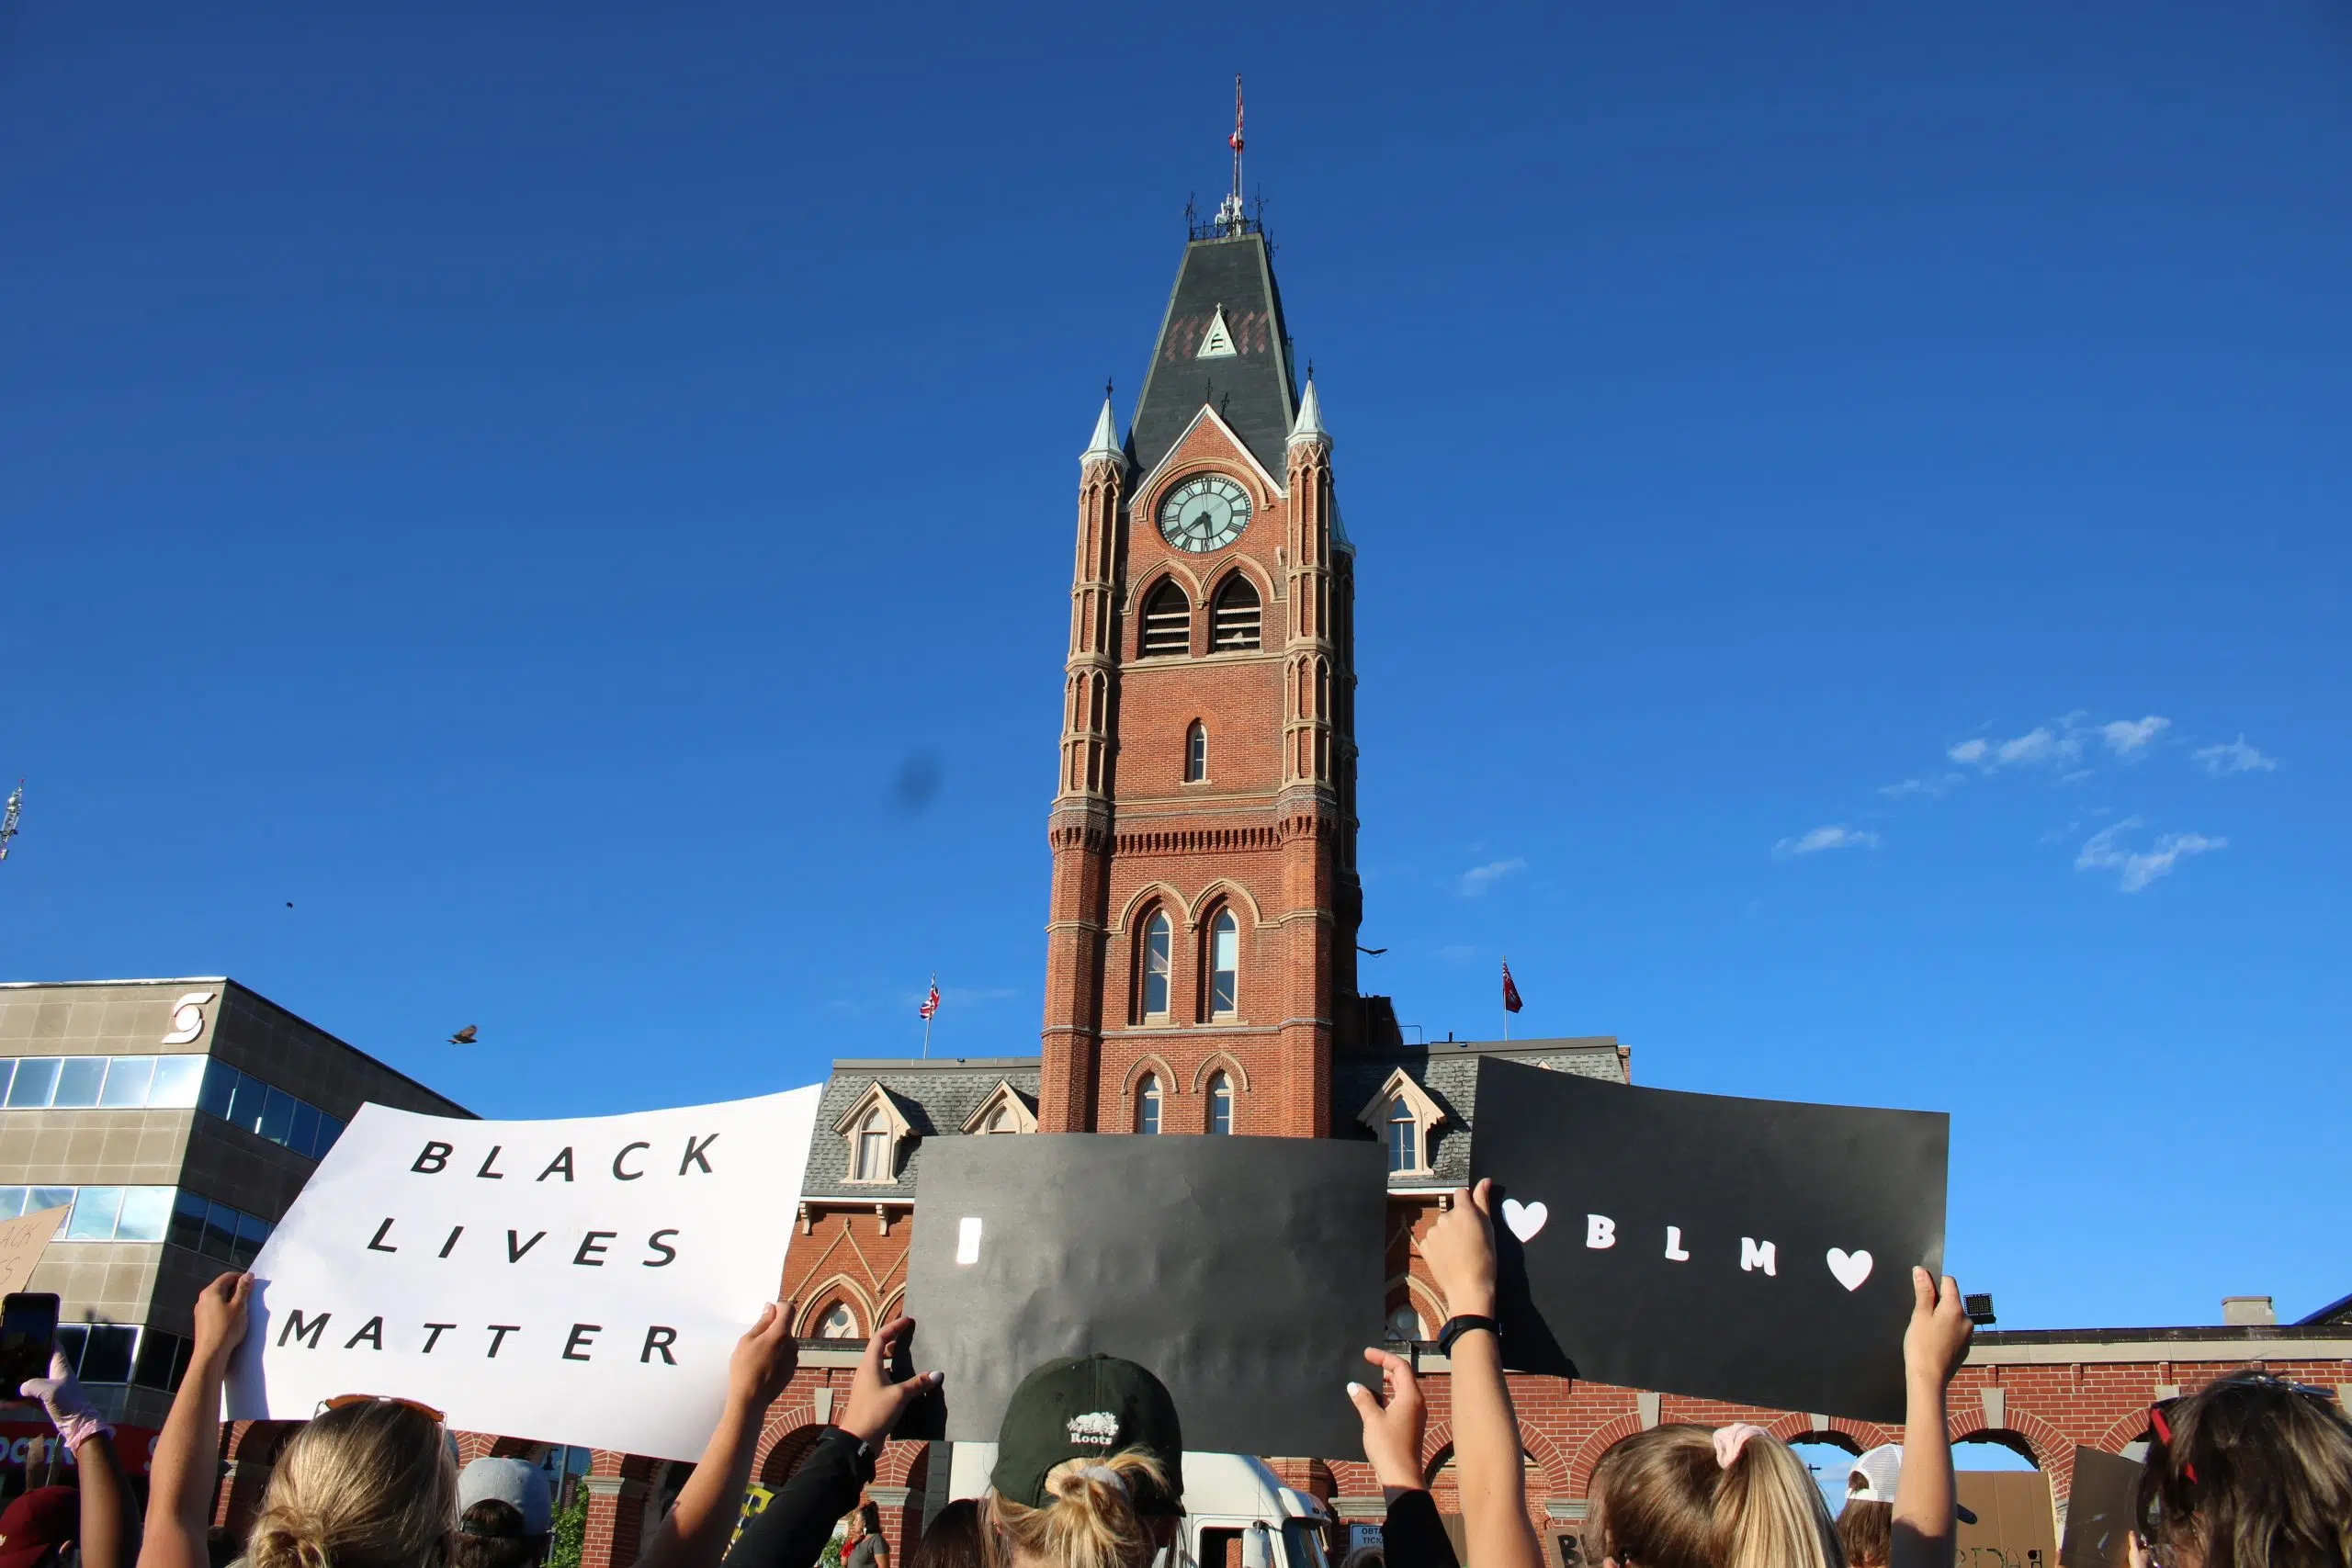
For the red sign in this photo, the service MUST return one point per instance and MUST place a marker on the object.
(35, 1443)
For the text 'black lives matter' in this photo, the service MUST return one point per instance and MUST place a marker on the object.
(1245, 1273)
(1755, 1250)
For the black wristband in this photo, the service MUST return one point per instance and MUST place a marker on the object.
(1455, 1327)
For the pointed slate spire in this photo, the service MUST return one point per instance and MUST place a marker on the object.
(1105, 445)
(1309, 426)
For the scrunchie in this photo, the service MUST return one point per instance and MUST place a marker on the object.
(1106, 1475)
(1730, 1440)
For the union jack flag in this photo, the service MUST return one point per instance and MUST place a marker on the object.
(931, 1002)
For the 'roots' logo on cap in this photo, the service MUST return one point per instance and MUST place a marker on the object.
(1094, 1426)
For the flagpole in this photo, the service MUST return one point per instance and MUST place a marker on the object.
(1506, 1001)
(926, 1023)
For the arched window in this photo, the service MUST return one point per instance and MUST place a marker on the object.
(1167, 622)
(1196, 753)
(1234, 624)
(1147, 1104)
(1220, 1104)
(1225, 964)
(1157, 941)
(1404, 1136)
(1405, 1324)
(999, 1120)
(873, 1148)
(839, 1324)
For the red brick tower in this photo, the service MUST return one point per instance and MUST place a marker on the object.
(1201, 944)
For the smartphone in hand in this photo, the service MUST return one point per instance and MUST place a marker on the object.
(28, 1333)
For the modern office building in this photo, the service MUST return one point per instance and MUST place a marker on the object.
(175, 1120)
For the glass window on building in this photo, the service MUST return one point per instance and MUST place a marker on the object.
(12, 1202)
(251, 1231)
(146, 1214)
(71, 1337)
(220, 1088)
(219, 1232)
(36, 1076)
(306, 1128)
(107, 1358)
(39, 1198)
(276, 1122)
(78, 1080)
(95, 1212)
(177, 1081)
(187, 1226)
(245, 1109)
(127, 1080)
(158, 1352)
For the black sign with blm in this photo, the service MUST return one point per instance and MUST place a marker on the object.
(1744, 1249)
(1245, 1273)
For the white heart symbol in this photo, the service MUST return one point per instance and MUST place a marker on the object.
(1526, 1219)
(1851, 1267)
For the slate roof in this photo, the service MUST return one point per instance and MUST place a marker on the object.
(1252, 390)
(935, 1097)
(1448, 1072)
(938, 1098)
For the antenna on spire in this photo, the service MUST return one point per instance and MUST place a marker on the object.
(1230, 220)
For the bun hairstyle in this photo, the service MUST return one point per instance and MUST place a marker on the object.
(2249, 1473)
(491, 1535)
(1686, 1497)
(1089, 1522)
(366, 1486)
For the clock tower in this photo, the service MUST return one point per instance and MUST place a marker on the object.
(1201, 938)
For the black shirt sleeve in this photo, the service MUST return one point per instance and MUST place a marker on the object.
(1413, 1536)
(791, 1531)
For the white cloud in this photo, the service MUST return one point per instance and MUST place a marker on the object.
(1479, 878)
(2135, 869)
(2130, 736)
(2235, 757)
(1833, 836)
(1935, 788)
(2038, 747)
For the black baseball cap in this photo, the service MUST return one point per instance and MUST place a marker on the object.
(1088, 1407)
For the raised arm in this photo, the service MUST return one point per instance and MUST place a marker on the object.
(696, 1532)
(90, 1440)
(1933, 1348)
(791, 1531)
(1460, 1251)
(187, 1453)
(1395, 1420)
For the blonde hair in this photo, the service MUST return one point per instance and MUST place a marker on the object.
(366, 1486)
(1091, 1522)
(1663, 1501)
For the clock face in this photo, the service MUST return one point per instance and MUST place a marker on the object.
(1206, 513)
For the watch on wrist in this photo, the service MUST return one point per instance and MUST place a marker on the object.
(1455, 1327)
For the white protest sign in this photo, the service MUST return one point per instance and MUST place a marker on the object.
(579, 1281)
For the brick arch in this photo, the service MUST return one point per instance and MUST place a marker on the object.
(2052, 1451)
(1163, 892)
(821, 1297)
(1240, 566)
(1226, 1063)
(1224, 891)
(783, 1444)
(1550, 1461)
(1424, 1300)
(1165, 571)
(1150, 1062)
(2129, 1428)
(1601, 1442)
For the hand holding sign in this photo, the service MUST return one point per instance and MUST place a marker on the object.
(1394, 1422)
(874, 1402)
(1460, 1251)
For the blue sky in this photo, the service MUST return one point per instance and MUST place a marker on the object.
(1851, 512)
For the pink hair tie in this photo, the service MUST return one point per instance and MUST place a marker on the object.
(1730, 1440)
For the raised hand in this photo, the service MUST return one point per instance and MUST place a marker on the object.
(763, 1359)
(874, 1402)
(1937, 1342)
(220, 1314)
(1394, 1422)
(1460, 1251)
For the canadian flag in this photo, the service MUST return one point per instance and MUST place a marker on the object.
(931, 1002)
(1510, 992)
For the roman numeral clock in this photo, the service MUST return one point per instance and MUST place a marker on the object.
(1204, 513)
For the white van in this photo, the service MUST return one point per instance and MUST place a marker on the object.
(1237, 1515)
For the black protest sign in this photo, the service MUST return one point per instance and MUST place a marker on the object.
(1741, 1250)
(2100, 1514)
(1245, 1273)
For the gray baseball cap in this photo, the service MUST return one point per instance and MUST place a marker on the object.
(516, 1482)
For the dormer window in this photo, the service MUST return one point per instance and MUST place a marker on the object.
(874, 1128)
(1006, 1109)
(1405, 1118)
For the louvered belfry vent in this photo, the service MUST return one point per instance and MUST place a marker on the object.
(1237, 615)
(1167, 623)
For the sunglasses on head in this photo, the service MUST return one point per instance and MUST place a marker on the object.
(2160, 1422)
(346, 1401)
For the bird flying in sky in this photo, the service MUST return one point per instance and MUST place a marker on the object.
(464, 1036)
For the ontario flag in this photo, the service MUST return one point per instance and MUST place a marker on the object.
(1510, 992)
(931, 1002)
